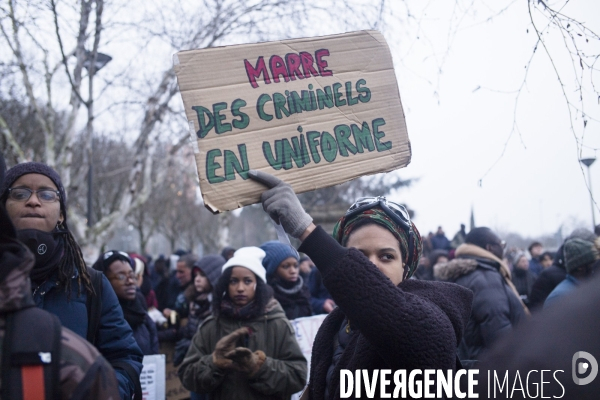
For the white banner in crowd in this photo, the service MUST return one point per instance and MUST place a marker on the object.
(306, 329)
(153, 377)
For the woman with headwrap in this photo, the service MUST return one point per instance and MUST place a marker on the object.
(384, 320)
(36, 203)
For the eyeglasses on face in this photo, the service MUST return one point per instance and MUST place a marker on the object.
(43, 195)
(395, 211)
(122, 277)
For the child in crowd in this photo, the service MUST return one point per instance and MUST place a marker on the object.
(205, 274)
(283, 274)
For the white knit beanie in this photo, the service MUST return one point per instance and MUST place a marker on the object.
(248, 257)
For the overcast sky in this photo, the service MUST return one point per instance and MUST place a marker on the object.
(459, 121)
(459, 73)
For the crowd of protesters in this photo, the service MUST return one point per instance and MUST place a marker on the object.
(394, 299)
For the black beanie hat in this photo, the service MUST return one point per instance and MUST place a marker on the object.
(211, 265)
(35, 168)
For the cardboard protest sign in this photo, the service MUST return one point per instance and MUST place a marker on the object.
(316, 112)
(306, 329)
(152, 378)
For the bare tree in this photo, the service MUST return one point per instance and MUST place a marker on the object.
(51, 52)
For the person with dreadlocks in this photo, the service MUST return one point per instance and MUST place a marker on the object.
(35, 200)
(384, 320)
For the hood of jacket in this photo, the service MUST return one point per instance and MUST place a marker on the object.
(468, 256)
(273, 310)
(452, 270)
(15, 289)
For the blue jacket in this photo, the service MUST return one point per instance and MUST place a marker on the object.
(146, 336)
(440, 242)
(568, 285)
(318, 292)
(115, 339)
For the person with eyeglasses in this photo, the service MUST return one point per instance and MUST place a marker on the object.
(118, 267)
(384, 319)
(36, 203)
(497, 306)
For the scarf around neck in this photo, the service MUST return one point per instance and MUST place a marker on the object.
(133, 311)
(230, 310)
(287, 287)
(47, 248)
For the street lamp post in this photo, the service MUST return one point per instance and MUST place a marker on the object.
(588, 162)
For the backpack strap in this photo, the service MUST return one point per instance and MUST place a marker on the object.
(94, 306)
(31, 355)
(133, 376)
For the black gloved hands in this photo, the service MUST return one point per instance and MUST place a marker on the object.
(281, 203)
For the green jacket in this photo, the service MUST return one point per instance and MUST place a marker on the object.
(282, 374)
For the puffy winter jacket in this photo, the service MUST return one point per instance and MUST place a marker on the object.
(496, 307)
(114, 340)
(146, 336)
(282, 374)
(545, 284)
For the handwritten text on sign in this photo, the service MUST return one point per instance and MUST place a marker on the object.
(326, 108)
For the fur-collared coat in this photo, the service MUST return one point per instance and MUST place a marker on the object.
(415, 325)
(496, 303)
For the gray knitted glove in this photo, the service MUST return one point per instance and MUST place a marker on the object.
(281, 203)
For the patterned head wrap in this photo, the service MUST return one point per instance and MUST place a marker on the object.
(343, 229)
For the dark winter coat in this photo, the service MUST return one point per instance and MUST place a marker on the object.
(297, 304)
(318, 291)
(440, 242)
(523, 280)
(167, 293)
(535, 267)
(114, 340)
(146, 336)
(282, 374)
(414, 325)
(545, 284)
(496, 307)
